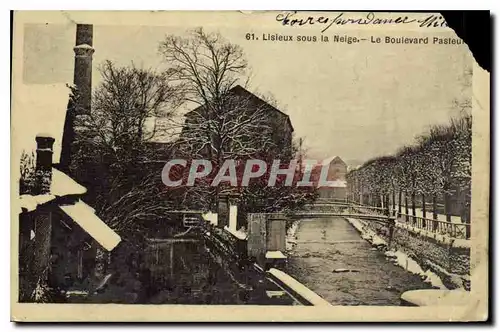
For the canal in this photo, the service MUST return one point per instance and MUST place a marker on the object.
(333, 260)
(191, 273)
(183, 271)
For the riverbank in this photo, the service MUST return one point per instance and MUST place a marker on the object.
(397, 256)
(329, 257)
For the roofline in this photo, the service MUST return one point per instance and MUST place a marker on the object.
(255, 96)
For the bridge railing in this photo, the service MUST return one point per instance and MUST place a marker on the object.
(369, 209)
(452, 229)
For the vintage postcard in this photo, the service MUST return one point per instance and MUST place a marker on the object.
(247, 166)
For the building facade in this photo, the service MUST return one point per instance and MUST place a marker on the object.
(252, 122)
(336, 175)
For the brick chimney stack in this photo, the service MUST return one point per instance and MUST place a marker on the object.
(83, 67)
(43, 168)
(78, 109)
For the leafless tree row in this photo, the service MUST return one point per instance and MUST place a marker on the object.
(437, 169)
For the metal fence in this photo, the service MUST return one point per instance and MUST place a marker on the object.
(448, 228)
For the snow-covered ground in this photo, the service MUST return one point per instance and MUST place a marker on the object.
(441, 217)
(412, 266)
(429, 215)
(396, 257)
(366, 233)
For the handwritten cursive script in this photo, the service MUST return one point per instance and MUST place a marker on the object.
(292, 19)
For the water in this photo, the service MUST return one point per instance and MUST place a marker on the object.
(181, 273)
(327, 244)
(188, 273)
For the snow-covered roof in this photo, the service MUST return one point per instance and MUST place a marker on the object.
(28, 203)
(240, 91)
(62, 185)
(84, 215)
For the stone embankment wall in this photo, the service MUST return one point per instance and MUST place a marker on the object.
(446, 257)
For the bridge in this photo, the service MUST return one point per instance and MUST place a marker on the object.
(256, 257)
(324, 209)
(342, 209)
(427, 226)
(245, 258)
(314, 214)
(338, 210)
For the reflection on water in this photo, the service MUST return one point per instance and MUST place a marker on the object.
(185, 272)
(331, 259)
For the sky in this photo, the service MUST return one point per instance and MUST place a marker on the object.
(356, 101)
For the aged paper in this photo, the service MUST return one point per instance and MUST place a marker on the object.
(237, 166)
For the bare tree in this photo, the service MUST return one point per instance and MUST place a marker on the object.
(122, 104)
(27, 181)
(227, 122)
(114, 144)
(132, 209)
(242, 130)
(224, 125)
(206, 65)
(439, 165)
